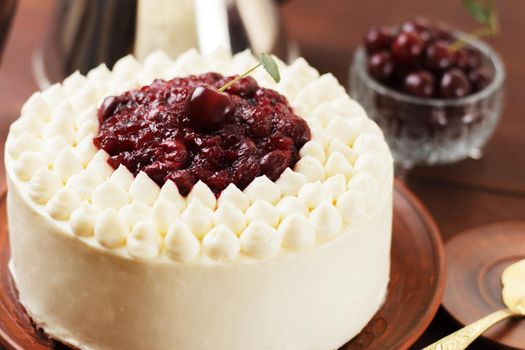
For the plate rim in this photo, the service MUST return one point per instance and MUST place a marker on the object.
(439, 253)
(460, 236)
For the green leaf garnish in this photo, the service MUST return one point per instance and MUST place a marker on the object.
(269, 65)
(478, 11)
(484, 12)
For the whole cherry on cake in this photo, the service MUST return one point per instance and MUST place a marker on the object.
(423, 59)
(207, 127)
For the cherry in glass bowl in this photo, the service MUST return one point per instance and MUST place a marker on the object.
(429, 130)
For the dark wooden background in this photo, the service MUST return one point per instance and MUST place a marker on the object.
(459, 196)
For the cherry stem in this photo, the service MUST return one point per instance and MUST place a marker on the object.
(231, 82)
(475, 34)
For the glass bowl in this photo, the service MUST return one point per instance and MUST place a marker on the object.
(427, 131)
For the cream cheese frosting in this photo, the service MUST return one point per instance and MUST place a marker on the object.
(342, 179)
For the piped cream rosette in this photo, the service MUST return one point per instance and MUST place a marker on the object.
(338, 180)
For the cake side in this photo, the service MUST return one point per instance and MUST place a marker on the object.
(317, 300)
(299, 263)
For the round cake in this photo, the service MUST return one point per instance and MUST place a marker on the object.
(149, 210)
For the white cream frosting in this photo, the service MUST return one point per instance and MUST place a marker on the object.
(260, 240)
(63, 203)
(84, 183)
(99, 165)
(337, 146)
(314, 149)
(220, 243)
(203, 194)
(134, 212)
(83, 219)
(43, 185)
(144, 189)
(313, 194)
(311, 168)
(232, 194)
(164, 214)
(335, 185)
(170, 193)
(326, 220)
(124, 178)
(23, 143)
(198, 217)
(230, 216)
(181, 244)
(264, 212)
(347, 154)
(110, 229)
(290, 182)
(51, 147)
(262, 188)
(28, 164)
(289, 205)
(336, 198)
(110, 195)
(67, 164)
(297, 232)
(341, 129)
(338, 164)
(144, 242)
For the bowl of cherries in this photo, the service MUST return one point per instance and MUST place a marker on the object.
(435, 102)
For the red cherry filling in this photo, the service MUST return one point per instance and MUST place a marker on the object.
(185, 130)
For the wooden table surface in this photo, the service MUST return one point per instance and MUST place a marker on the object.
(460, 196)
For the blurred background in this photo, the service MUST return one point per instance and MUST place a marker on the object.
(459, 196)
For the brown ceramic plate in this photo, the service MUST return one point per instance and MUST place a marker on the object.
(476, 259)
(415, 291)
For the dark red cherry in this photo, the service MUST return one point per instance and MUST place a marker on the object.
(480, 78)
(407, 48)
(419, 83)
(378, 39)
(380, 66)
(454, 83)
(418, 25)
(442, 31)
(461, 58)
(439, 56)
(208, 108)
(474, 58)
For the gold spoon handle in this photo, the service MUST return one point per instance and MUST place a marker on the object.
(462, 338)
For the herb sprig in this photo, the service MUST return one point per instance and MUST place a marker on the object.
(485, 13)
(268, 64)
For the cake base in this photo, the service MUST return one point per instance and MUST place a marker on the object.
(421, 282)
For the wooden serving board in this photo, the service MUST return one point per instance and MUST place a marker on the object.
(416, 285)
